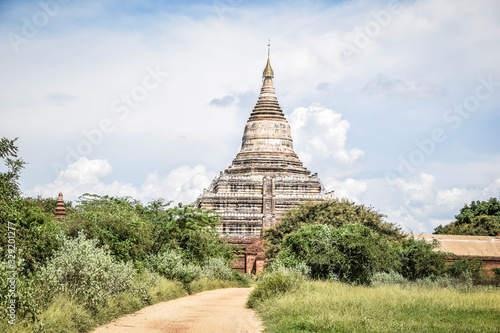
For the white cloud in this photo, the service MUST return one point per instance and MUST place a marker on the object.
(183, 184)
(419, 204)
(349, 188)
(416, 87)
(459, 196)
(320, 132)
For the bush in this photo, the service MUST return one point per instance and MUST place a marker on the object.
(274, 284)
(465, 268)
(335, 213)
(351, 253)
(290, 264)
(82, 270)
(496, 271)
(114, 222)
(217, 269)
(26, 295)
(241, 280)
(170, 265)
(390, 278)
(418, 260)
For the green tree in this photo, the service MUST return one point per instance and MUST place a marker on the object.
(184, 227)
(32, 231)
(480, 218)
(335, 213)
(417, 259)
(9, 186)
(132, 230)
(114, 222)
(350, 253)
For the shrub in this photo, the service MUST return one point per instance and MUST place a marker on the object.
(114, 222)
(289, 263)
(82, 270)
(170, 265)
(496, 271)
(274, 284)
(241, 280)
(464, 268)
(335, 213)
(26, 295)
(418, 260)
(217, 269)
(351, 253)
(390, 278)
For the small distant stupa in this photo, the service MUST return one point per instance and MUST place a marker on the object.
(265, 179)
(60, 210)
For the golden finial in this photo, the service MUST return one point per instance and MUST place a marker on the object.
(268, 71)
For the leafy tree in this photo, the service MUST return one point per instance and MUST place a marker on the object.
(335, 213)
(114, 222)
(9, 187)
(351, 253)
(33, 231)
(417, 259)
(184, 227)
(132, 230)
(481, 218)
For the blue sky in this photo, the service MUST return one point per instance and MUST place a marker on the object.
(394, 104)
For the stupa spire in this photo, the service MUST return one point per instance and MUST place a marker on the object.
(60, 210)
(267, 144)
(268, 71)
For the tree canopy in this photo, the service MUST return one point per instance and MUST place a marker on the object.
(335, 213)
(480, 218)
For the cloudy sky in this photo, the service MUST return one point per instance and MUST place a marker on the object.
(396, 105)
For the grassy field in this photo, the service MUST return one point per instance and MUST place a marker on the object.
(319, 306)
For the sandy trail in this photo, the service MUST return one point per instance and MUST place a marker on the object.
(220, 311)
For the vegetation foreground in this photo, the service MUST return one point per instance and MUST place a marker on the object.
(324, 306)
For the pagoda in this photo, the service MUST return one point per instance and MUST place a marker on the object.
(60, 210)
(265, 179)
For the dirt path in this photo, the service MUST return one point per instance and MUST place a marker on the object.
(217, 311)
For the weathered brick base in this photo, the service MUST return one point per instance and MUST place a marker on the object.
(251, 259)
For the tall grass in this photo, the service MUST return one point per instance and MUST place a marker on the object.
(322, 306)
(67, 315)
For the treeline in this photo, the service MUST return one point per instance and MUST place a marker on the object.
(340, 240)
(109, 256)
(479, 218)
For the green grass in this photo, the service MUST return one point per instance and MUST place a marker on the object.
(319, 306)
